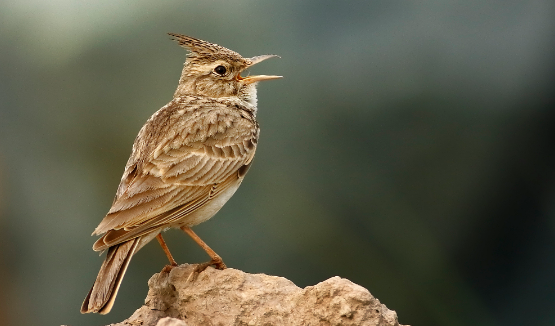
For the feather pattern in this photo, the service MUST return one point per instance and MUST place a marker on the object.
(103, 293)
(207, 144)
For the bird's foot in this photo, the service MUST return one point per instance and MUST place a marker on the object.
(168, 268)
(216, 262)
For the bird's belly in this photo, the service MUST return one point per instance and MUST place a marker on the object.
(210, 209)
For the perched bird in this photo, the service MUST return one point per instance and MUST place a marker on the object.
(187, 161)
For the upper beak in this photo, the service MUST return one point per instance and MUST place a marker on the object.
(254, 79)
(260, 58)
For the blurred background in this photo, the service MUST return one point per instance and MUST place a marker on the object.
(409, 148)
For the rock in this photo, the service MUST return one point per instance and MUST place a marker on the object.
(169, 321)
(232, 297)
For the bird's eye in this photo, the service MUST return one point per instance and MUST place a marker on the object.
(220, 70)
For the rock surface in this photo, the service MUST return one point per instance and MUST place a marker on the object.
(232, 297)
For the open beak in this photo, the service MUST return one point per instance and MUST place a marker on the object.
(255, 79)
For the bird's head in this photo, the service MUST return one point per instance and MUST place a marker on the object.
(214, 71)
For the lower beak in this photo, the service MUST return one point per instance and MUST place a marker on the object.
(255, 79)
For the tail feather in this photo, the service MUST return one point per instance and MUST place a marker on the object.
(104, 290)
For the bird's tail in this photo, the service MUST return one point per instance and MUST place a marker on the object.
(104, 290)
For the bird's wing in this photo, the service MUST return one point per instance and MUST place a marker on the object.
(184, 156)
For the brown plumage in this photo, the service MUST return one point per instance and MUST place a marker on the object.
(187, 161)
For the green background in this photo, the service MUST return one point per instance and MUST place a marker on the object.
(409, 148)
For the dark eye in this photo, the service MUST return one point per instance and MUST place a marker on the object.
(220, 70)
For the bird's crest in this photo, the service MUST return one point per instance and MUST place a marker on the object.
(205, 50)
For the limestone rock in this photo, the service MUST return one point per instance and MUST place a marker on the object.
(233, 297)
(169, 321)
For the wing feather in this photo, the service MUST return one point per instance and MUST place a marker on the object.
(184, 156)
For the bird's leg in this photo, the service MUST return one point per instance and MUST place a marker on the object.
(162, 243)
(216, 260)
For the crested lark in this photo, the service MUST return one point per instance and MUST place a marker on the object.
(187, 161)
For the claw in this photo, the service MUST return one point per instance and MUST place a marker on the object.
(168, 268)
(218, 263)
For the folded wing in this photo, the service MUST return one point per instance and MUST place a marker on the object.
(190, 154)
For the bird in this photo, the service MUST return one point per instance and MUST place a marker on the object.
(187, 161)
